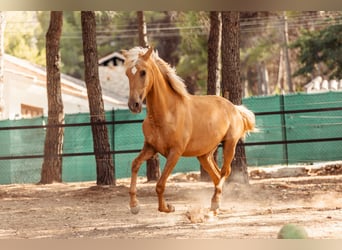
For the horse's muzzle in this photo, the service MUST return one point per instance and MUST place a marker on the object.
(135, 106)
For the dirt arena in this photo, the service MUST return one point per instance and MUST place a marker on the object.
(257, 211)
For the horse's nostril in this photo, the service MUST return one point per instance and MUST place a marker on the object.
(134, 106)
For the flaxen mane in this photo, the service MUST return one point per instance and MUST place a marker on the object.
(132, 56)
(175, 82)
(169, 73)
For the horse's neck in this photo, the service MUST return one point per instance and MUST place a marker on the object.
(161, 99)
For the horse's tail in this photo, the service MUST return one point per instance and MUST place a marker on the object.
(248, 119)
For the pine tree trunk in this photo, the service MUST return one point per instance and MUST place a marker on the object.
(213, 66)
(287, 57)
(142, 30)
(231, 85)
(152, 164)
(213, 52)
(152, 168)
(280, 78)
(53, 147)
(104, 161)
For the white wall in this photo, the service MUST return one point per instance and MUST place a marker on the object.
(21, 89)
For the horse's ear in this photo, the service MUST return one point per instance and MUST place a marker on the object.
(148, 53)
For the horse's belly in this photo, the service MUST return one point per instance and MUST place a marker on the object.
(198, 151)
(204, 142)
(201, 147)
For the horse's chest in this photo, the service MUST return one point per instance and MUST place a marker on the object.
(160, 137)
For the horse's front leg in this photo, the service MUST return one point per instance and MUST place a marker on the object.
(146, 153)
(171, 161)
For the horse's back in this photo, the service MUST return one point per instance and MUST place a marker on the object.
(212, 107)
(211, 117)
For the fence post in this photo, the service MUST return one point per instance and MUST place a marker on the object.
(113, 141)
(283, 128)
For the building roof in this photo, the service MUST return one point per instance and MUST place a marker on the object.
(112, 58)
(70, 85)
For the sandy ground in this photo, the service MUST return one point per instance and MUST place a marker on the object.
(257, 211)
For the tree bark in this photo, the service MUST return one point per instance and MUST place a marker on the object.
(213, 66)
(142, 30)
(53, 146)
(104, 161)
(287, 57)
(231, 85)
(153, 168)
(152, 164)
(213, 53)
(280, 78)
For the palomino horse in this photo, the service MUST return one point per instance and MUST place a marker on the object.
(179, 124)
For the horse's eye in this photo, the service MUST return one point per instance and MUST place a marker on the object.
(142, 73)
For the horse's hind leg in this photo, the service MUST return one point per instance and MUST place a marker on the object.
(208, 163)
(146, 153)
(228, 155)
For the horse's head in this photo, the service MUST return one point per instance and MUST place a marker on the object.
(138, 72)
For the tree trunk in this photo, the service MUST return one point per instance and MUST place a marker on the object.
(53, 147)
(262, 79)
(231, 86)
(280, 79)
(2, 53)
(142, 30)
(152, 168)
(213, 66)
(287, 57)
(152, 164)
(104, 161)
(213, 53)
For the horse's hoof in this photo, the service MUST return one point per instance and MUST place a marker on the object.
(214, 206)
(135, 210)
(170, 208)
